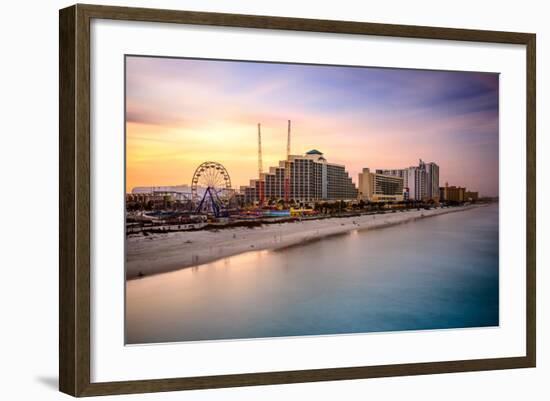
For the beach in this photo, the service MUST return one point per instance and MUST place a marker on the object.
(159, 253)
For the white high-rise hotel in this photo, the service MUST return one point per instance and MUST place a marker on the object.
(432, 180)
(420, 182)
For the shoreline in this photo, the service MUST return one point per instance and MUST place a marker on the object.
(162, 253)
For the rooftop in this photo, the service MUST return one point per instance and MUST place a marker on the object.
(313, 152)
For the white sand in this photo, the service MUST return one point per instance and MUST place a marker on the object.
(159, 253)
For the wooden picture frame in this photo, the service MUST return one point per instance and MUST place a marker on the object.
(74, 203)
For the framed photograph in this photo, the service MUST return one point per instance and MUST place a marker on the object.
(249, 200)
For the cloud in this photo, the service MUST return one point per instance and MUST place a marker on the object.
(358, 116)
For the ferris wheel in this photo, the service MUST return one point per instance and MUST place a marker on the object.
(212, 179)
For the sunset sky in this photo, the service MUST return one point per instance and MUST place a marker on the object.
(182, 112)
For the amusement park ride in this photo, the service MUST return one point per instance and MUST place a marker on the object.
(218, 193)
(213, 178)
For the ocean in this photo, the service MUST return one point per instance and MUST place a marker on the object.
(440, 272)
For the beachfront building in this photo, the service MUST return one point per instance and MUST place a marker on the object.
(471, 196)
(432, 180)
(420, 182)
(377, 187)
(157, 201)
(452, 193)
(417, 183)
(251, 193)
(402, 172)
(174, 192)
(311, 178)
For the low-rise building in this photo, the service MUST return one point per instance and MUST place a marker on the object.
(452, 193)
(376, 187)
(471, 196)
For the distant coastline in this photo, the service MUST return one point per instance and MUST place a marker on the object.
(161, 253)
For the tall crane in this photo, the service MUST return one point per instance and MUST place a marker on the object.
(287, 166)
(261, 190)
